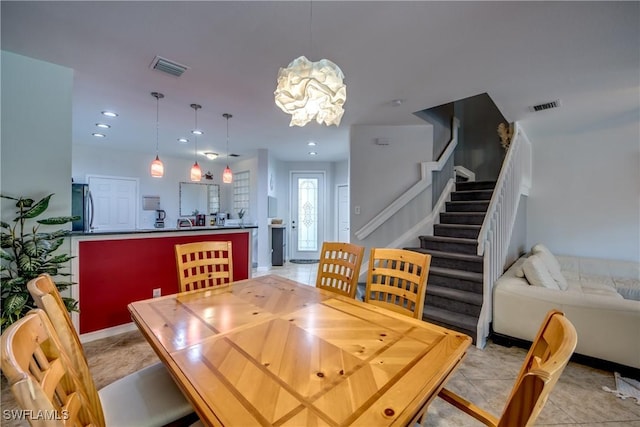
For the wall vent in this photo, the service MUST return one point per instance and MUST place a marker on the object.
(545, 106)
(381, 141)
(170, 67)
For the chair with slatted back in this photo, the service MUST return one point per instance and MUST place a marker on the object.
(204, 264)
(397, 280)
(339, 268)
(41, 377)
(547, 358)
(148, 396)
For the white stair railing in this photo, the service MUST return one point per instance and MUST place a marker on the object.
(495, 234)
(426, 179)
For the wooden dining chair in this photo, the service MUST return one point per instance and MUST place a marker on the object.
(41, 377)
(547, 358)
(148, 396)
(204, 264)
(397, 280)
(339, 268)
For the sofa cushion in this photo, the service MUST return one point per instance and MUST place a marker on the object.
(537, 273)
(552, 264)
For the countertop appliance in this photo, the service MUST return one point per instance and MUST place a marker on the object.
(160, 216)
(82, 206)
(221, 217)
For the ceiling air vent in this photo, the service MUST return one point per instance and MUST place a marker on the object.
(170, 67)
(545, 106)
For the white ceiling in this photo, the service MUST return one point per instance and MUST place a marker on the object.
(426, 53)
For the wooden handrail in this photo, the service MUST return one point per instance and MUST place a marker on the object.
(426, 179)
(495, 233)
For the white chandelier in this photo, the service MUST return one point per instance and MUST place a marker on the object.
(311, 90)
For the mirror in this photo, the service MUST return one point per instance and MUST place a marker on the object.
(200, 197)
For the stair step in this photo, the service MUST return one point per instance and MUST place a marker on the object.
(455, 282)
(470, 298)
(449, 244)
(456, 230)
(451, 303)
(458, 322)
(471, 195)
(467, 206)
(475, 185)
(465, 262)
(456, 274)
(470, 218)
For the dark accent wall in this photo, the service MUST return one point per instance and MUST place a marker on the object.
(440, 117)
(479, 148)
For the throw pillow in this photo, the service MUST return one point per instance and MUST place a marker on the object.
(552, 264)
(537, 273)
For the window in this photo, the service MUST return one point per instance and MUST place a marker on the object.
(214, 198)
(241, 192)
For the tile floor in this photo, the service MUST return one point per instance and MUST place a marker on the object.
(485, 378)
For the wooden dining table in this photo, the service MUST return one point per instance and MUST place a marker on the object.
(271, 351)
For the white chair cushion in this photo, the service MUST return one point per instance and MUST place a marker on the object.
(148, 397)
(552, 264)
(537, 273)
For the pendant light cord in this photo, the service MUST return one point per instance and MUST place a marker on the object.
(227, 116)
(311, 28)
(157, 120)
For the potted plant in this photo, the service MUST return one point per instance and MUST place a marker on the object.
(27, 252)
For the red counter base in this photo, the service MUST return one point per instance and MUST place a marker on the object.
(113, 273)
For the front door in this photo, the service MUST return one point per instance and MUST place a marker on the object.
(307, 214)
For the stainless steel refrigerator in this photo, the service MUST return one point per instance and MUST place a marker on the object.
(82, 206)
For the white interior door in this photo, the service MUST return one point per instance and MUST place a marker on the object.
(114, 200)
(307, 214)
(343, 214)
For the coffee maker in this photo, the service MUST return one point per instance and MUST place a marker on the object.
(160, 216)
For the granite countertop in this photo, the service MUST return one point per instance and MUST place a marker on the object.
(163, 230)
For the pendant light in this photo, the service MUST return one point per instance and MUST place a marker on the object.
(157, 168)
(227, 176)
(196, 172)
(311, 90)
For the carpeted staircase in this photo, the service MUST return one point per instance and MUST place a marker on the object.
(454, 288)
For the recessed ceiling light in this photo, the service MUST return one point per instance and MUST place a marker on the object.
(98, 135)
(103, 125)
(183, 140)
(311, 144)
(312, 153)
(211, 156)
(197, 132)
(109, 114)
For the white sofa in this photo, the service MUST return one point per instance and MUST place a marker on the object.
(602, 300)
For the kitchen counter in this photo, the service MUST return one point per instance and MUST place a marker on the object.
(115, 268)
(163, 230)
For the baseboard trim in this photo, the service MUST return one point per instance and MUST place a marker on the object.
(107, 332)
(605, 365)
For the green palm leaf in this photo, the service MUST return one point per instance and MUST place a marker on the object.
(36, 209)
(58, 220)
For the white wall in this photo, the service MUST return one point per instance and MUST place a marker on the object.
(36, 133)
(585, 195)
(380, 174)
